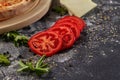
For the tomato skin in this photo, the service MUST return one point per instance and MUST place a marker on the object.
(73, 27)
(79, 22)
(66, 20)
(45, 43)
(66, 34)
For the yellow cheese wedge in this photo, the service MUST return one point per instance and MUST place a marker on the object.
(78, 7)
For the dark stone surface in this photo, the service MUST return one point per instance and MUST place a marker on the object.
(94, 56)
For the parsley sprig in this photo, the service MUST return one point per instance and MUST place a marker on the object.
(39, 68)
(60, 10)
(15, 37)
(4, 60)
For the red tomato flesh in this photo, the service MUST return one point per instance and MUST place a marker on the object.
(45, 43)
(80, 24)
(71, 26)
(66, 34)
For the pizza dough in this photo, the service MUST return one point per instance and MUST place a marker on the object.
(11, 8)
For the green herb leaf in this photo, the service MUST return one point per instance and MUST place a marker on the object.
(15, 37)
(60, 10)
(23, 68)
(39, 68)
(30, 65)
(4, 60)
(40, 71)
(39, 63)
(44, 65)
(21, 64)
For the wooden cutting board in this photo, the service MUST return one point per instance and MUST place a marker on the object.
(27, 18)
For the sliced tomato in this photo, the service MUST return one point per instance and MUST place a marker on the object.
(71, 26)
(66, 34)
(69, 21)
(45, 43)
(74, 20)
(78, 20)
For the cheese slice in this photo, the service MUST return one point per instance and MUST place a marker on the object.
(78, 7)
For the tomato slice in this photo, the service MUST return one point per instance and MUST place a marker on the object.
(71, 26)
(74, 20)
(70, 21)
(78, 20)
(45, 43)
(66, 34)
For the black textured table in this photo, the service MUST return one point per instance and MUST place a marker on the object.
(94, 56)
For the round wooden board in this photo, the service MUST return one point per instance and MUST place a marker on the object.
(26, 19)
